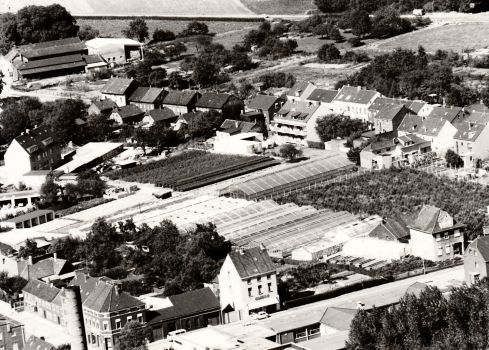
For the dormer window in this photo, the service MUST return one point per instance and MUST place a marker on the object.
(32, 149)
(47, 141)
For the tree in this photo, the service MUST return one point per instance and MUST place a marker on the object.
(8, 32)
(206, 73)
(28, 250)
(140, 72)
(132, 337)
(137, 29)
(353, 155)
(61, 116)
(160, 35)
(331, 6)
(290, 151)
(334, 126)
(453, 159)
(195, 28)
(87, 32)
(175, 50)
(157, 78)
(387, 23)
(49, 191)
(328, 53)
(360, 23)
(90, 183)
(279, 79)
(322, 30)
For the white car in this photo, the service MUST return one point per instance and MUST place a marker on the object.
(260, 315)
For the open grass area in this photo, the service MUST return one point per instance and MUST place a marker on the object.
(279, 7)
(113, 27)
(454, 37)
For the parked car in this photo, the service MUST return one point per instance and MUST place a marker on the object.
(261, 315)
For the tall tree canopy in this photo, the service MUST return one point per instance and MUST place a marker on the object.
(137, 29)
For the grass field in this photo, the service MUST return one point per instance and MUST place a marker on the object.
(279, 7)
(139, 7)
(113, 27)
(454, 37)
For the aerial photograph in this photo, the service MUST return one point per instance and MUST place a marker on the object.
(244, 174)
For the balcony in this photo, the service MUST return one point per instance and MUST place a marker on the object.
(288, 131)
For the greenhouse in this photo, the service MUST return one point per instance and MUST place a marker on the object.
(290, 179)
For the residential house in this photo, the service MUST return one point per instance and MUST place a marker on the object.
(323, 98)
(181, 102)
(106, 309)
(233, 127)
(420, 108)
(301, 90)
(129, 114)
(294, 123)
(267, 105)
(116, 50)
(476, 260)
(35, 343)
(12, 334)
(354, 102)
(119, 90)
(472, 142)
(389, 118)
(398, 151)
(48, 269)
(34, 149)
(382, 102)
(435, 236)
(228, 105)
(247, 284)
(451, 114)
(44, 300)
(439, 131)
(164, 116)
(391, 229)
(191, 310)
(102, 107)
(147, 98)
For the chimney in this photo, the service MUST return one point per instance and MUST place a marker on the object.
(55, 256)
(116, 289)
(29, 260)
(9, 327)
(241, 250)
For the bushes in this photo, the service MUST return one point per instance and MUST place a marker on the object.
(278, 80)
(328, 53)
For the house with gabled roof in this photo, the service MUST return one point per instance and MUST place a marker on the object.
(391, 229)
(435, 236)
(119, 90)
(147, 98)
(48, 269)
(35, 343)
(389, 118)
(476, 260)
(164, 116)
(34, 149)
(451, 114)
(266, 104)
(354, 102)
(106, 309)
(472, 141)
(190, 311)
(228, 105)
(130, 114)
(301, 90)
(102, 107)
(181, 102)
(247, 284)
(439, 131)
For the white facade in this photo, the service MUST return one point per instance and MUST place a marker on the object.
(247, 295)
(470, 151)
(441, 142)
(245, 143)
(17, 161)
(120, 100)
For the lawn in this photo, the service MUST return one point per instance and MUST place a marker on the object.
(113, 27)
(454, 37)
(279, 7)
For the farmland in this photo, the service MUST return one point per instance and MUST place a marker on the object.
(192, 169)
(139, 7)
(454, 37)
(279, 7)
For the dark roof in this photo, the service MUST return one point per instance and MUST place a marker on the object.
(50, 48)
(262, 102)
(47, 267)
(432, 219)
(91, 59)
(35, 343)
(251, 262)
(105, 105)
(323, 95)
(424, 126)
(338, 318)
(146, 94)
(353, 94)
(481, 244)
(394, 228)
(100, 294)
(468, 131)
(117, 86)
(446, 113)
(390, 112)
(416, 106)
(297, 110)
(187, 304)
(41, 290)
(381, 102)
(6, 250)
(36, 140)
(50, 64)
(162, 114)
(129, 111)
(180, 98)
(213, 100)
(237, 126)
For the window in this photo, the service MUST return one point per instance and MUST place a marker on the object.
(249, 281)
(269, 287)
(269, 277)
(440, 251)
(447, 235)
(140, 318)
(447, 249)
(250, 293)
(476, 265)
(106, 325)
(259, 279)
(118, 323)
(457, 233)
(129, 318)
(260, 290)
(438, 237)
